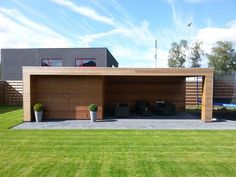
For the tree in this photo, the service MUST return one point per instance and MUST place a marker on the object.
(177, 54)
(222, 57)
(196, 53)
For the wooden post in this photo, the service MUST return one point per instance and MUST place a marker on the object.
(207, 98)
(26, 97)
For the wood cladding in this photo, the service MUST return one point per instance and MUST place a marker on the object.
(2, 86)
(106, 86)
(100, 71)
(225, 89)
(67, 97)
(191, 92)
(11, 91)
(120, 89)
(221, 90)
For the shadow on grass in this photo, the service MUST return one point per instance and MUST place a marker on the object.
(7, 108)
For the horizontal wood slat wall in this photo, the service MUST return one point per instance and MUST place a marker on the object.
(225, 89)
(67, 97)
(222, 90)
(191, 92)
(131, 89)
(12, 92)
(2, 92)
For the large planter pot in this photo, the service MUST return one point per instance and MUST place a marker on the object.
(38, 116)
(93, 116)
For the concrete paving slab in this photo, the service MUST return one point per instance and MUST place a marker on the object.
(178, 122)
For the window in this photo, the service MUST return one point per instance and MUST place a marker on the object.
(85, 62)
(55, 62)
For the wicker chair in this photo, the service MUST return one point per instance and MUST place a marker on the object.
(122, 110)
(144, 108)
(166, 109)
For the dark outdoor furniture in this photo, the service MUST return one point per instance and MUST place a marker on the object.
(165, 108)
(144, 108)
(122, 110)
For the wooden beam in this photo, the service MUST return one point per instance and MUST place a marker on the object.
(186, 72)
(207, 98)
(26, 96)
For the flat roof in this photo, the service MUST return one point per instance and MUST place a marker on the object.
(54, 48)
(101, 71)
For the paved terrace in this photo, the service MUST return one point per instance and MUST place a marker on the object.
(181, 121)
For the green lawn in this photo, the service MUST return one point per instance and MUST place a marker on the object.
(113, 152)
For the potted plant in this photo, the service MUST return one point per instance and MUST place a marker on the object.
(38, 112)
(93, 108)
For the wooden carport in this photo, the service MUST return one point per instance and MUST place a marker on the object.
(66, 92)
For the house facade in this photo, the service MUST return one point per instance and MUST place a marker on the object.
(12, 60)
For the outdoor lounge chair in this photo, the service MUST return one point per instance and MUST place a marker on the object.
(166, 109)
(144, 108)
(122, 110)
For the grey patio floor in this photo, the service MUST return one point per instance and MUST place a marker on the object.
(181, 121)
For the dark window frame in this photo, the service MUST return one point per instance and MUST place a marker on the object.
(90, 58)
(54, 58)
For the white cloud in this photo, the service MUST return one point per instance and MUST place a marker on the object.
(174, 15)
(200, 1)
(87, 39)
(131, 44)
(126, 40)
(85, 11)
(135, 57)
(181, 19)
(17, 31)
(211, 35)
(231, 23)
(194, 1)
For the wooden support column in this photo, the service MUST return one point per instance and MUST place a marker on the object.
(207, 98)
(26, 96)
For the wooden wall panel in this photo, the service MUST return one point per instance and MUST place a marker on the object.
(223, 89)
(2, 86)
(130, 89)
(191, 92)
(67, 97)
(12, 92)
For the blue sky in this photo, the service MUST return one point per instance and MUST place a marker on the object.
(128, 28)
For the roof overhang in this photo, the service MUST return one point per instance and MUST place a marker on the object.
(100, 71)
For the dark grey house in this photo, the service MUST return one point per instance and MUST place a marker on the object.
(12, 60)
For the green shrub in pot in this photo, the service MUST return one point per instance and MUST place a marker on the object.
(38, 107)
(93, 108)
(38, 112)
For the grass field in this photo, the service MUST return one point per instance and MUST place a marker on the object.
(113, 152)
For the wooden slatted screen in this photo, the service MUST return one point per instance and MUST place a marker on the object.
(2, 92)
(67, 97)
(13, 92)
